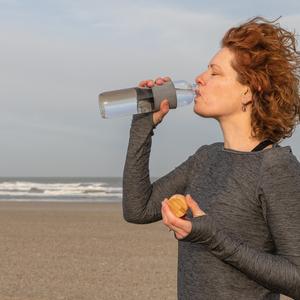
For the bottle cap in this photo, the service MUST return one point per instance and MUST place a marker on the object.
(178, 205)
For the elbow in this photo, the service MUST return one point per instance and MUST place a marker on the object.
(135, 218)
(130, 219)
(132, 214)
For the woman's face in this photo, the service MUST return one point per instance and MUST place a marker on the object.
(220, 95)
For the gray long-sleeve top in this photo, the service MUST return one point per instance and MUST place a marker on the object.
(247, 246)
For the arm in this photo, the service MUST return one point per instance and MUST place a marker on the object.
(141, 199)
(278, 273)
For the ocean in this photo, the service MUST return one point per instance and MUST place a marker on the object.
(65, 189)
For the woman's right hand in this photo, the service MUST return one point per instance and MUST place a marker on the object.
(164, 106)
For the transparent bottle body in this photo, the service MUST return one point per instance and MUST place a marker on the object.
(140, 100)
(185, 92)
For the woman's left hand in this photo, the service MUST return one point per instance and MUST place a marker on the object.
(181, 226)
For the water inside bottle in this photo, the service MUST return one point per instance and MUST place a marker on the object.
(126, 102)
(145, 100)
(118, 103)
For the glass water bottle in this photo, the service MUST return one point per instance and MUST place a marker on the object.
(139, 100)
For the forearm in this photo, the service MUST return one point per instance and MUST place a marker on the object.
(137, 188)
(274, 272)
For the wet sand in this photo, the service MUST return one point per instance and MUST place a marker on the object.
(83, 251)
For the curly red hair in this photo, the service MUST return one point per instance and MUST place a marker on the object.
(267, 61)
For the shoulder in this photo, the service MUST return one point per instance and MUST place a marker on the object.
(210, 149)
(280, 159)
(280, 171)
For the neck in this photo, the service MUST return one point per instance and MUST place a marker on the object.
(237, 134)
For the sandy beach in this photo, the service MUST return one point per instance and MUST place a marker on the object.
(83, 251)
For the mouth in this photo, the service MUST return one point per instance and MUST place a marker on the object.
(197, 92)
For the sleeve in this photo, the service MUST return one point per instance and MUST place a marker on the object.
(141, 199)
(280, 196)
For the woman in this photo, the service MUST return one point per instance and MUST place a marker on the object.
(241, 236)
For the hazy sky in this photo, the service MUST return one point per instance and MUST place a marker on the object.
(58, 55)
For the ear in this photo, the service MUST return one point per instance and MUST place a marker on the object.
(247, 96)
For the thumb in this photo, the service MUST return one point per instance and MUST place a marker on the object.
(164, 107)
(159, 115)
(197, 212)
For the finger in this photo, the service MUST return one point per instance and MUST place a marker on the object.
(197, 212)
(185, 217)
(150, 83)
(169, 218)
(159, 81)
(165, 209)
(143, 83)
(179, 226)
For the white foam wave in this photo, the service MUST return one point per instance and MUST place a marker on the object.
(27, 189)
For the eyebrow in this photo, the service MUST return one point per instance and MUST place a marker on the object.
(214, 65)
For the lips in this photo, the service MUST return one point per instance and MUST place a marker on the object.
(197, 91)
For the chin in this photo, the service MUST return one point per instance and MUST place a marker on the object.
(201, 113)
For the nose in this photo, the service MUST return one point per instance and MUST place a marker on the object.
(200, 79)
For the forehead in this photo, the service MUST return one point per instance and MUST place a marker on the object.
(223, 59)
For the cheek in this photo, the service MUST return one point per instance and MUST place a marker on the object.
(213, 103)
(213, 91)
(212, 97)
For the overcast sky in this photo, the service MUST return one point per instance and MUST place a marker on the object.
(58, 55)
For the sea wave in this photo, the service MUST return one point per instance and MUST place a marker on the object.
(22, 190)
